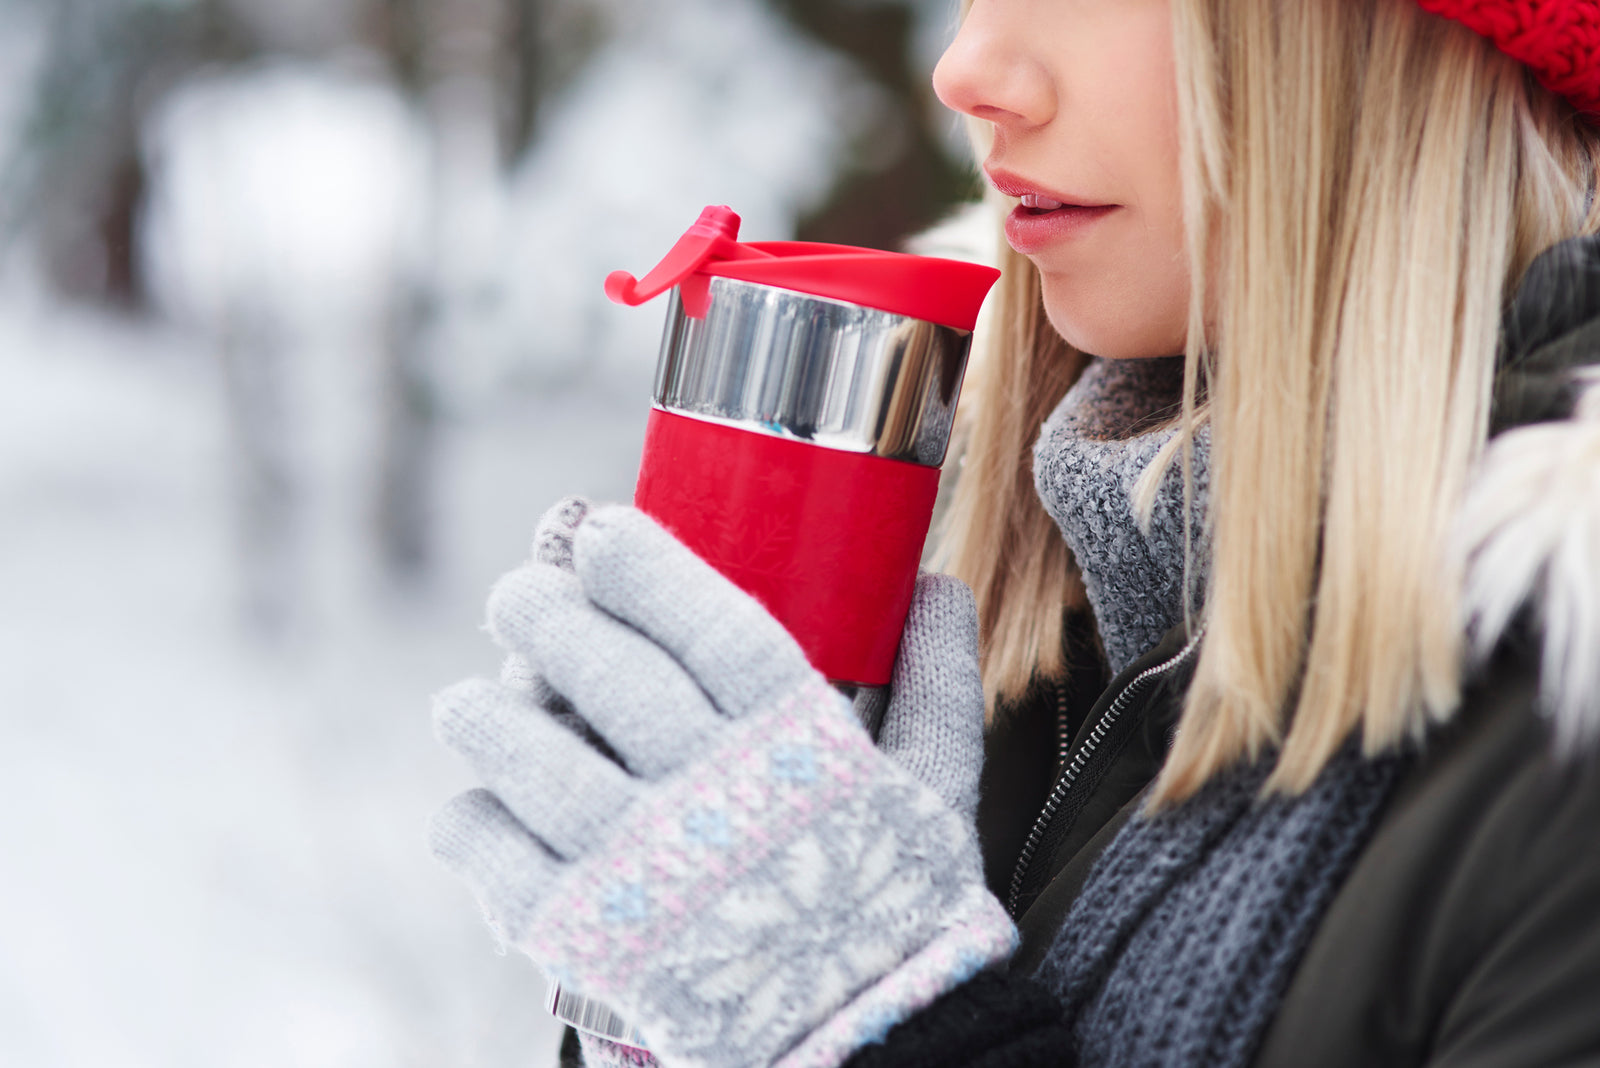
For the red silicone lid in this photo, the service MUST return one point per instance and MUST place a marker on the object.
(948, 292)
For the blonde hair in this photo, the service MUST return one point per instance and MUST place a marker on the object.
(996, 535)
(1364, 183)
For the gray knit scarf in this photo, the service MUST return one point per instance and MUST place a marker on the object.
(1181, 945)
(1089, 456)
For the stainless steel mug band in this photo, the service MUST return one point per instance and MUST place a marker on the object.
(814, 369)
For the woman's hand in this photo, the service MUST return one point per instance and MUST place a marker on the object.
(726, 860)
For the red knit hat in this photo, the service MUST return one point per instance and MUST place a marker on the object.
(1559, 40)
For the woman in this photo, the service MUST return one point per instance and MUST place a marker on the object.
(1296, 350)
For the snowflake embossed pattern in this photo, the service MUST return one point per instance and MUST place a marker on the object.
(807, 872)
(704, 836)
(1559, 40)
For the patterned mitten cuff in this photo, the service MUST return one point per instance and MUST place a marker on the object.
(602, 1053)
(786, 899)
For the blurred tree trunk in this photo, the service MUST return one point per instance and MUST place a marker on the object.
(262, 473)
(407, 472)
(110, 63)
(455, 57)
(405, 482)
(526, 74)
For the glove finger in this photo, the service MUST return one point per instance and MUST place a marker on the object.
(934, 724)
(552, 544)
(727, 641)
(518, 674)
(626, 687)
(562, 790)
(482, 843)
(552, 537)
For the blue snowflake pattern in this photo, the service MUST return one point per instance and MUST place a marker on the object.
(708, 826)
(626, 903)
(794, 763)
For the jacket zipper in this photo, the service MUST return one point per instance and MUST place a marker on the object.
(1071, 771)
(1063, 728)
(1063, 733)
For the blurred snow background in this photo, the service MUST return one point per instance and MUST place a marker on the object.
(301, 328)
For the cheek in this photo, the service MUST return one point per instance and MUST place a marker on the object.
(1124, 292)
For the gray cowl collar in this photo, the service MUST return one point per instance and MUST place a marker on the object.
(1087, 460)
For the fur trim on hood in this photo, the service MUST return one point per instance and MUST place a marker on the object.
(1528, 534)
(1531, 532)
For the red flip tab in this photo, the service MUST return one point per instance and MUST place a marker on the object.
(714, 236)
(948, 292)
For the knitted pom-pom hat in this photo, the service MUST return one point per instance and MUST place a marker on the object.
(1559, 40)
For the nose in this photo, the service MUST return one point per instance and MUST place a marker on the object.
(991, 72)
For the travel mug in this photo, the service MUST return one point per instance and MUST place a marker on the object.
(803, 403)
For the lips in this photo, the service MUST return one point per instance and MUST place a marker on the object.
(1035, 196)
(1044, 218)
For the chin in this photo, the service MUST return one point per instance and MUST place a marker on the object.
(1113, 329)
(1113, 341)
(1116, 323)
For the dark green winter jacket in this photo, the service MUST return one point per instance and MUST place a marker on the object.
(1468, 931)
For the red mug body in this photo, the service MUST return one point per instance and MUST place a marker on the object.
(795, 445)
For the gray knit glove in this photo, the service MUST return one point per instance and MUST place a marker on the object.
(749, 881)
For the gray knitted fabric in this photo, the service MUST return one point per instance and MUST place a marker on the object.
(739, 872)
(1088, 458)
(1179, 948)
(1183, 941)
(934, 723)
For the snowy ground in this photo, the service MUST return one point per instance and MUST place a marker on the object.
(213, 848)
